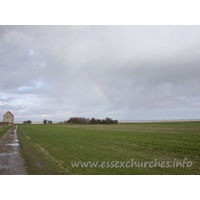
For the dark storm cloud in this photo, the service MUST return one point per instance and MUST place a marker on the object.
(143, 71)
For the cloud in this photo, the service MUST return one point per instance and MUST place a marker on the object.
(145, 72)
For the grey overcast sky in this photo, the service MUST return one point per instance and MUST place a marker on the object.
(122, 72)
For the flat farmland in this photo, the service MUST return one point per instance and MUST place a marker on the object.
(127, 149)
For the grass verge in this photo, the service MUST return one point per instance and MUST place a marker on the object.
(3, 130)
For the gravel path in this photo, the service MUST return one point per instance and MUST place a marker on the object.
(11, 161)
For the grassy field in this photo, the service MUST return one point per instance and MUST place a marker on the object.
(50, 149)
(3, 130)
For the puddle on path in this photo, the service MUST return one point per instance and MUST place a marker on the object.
(11, 161)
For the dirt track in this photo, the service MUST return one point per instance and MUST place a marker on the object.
(11, 161)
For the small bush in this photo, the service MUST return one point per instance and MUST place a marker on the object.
(27, 122)
(45, 121)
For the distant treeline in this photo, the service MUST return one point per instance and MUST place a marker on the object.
(82, 120)
(27, 122)
(45, 121)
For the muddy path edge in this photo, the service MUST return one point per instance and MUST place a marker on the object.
(11, 160)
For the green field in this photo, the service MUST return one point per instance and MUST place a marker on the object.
(3, 130)
(50, 149)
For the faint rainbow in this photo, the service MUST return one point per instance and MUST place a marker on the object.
(102, 94)
(99, 90)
